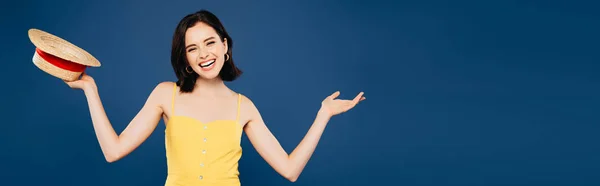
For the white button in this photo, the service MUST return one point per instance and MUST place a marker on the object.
(203, 151)
(205, 127)
(200, 177)
(201, 164)
(204, 139)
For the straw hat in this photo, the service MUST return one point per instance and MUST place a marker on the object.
(59, 57)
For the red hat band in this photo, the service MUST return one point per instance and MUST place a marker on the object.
(60, 63)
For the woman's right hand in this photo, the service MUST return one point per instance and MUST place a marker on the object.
(86, 83)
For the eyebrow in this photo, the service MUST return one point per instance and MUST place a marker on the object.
(212, 37)
(190, 46)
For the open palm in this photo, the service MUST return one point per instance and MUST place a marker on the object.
(333, 106)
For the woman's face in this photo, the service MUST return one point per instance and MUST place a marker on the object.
(204, 50)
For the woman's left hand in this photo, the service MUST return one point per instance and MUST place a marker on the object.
(332, 106)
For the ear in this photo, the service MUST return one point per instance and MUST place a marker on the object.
(225, 46)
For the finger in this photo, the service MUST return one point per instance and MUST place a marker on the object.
(334, 95)
(84, 75)
(81, 76)
(363, 98)
(70, 84)
(357, 98)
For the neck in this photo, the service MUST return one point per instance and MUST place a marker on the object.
(211, 87)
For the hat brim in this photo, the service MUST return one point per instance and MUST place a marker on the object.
(61, 48)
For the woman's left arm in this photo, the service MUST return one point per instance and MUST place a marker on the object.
(290, 166)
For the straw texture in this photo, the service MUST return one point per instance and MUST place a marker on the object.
(63, 74)
(61, 48)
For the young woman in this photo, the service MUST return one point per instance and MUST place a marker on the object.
(204, 118)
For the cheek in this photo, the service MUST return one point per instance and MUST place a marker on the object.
(218, 53)
(191, 57)
(215, 50)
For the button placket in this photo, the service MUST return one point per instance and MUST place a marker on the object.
(204, 150)
(203, 158)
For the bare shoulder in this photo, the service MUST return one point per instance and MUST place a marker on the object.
(163, 89)
(165, 86)
(161, 94)
(246, 104)
(249, 111)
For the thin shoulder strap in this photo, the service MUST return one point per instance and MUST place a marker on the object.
(238, 107)
(173, 99)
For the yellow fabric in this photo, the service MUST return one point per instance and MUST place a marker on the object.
(202, 153)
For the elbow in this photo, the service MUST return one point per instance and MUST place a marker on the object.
(291, 178)
(110, 160)
(111, 157)
(113, 152)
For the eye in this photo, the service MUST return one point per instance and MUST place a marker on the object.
(210, 43)
(191, 49)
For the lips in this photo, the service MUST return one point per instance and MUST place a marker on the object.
(207, 64)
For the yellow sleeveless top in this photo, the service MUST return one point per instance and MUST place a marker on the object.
(202, 153)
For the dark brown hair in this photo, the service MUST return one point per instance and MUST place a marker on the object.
(185, 80)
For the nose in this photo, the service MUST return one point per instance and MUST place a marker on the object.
(203, 54)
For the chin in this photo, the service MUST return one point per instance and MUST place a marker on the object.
(209, 76)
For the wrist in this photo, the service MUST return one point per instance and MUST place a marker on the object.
(324, 113)
(90, 90)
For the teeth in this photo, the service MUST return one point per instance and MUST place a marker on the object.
(207, 64)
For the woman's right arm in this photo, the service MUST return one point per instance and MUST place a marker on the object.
(113, 145)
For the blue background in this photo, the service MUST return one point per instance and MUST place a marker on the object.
(458, 92)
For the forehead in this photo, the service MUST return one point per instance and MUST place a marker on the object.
(199, 32)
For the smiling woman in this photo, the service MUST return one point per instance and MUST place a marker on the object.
(205, 119)
(202, 45)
